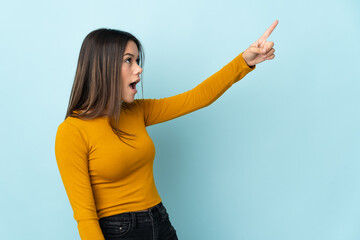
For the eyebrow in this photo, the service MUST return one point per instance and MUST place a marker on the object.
(129, 54)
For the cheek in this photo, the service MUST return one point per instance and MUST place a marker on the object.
(125, 76)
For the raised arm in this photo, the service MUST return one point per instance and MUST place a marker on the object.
(71, 156)
(164, 109)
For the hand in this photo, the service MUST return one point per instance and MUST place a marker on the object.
(260, 50)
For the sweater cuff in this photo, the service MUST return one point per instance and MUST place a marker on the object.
(90, 230)
(244, 64)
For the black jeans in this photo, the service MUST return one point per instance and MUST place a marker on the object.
(154, 224)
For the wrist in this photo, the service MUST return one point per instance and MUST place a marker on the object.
(250, 66)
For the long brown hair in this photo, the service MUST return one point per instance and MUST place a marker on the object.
(97, 83)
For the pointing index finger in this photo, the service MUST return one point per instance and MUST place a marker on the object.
(268, 31)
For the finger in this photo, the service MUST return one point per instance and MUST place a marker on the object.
(255, 44)
(271, 52)
(270, 57)
(258, 43)
(268, 31)
(268, 46)
(258, 50)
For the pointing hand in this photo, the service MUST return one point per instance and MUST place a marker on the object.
(260, 50)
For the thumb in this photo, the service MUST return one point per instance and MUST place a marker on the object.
(257, 49)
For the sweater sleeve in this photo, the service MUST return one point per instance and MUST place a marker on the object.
(164, 109)
(71, 151)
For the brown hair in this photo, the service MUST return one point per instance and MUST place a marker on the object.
(97, 83)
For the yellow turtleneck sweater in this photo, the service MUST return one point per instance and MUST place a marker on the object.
(104, 176)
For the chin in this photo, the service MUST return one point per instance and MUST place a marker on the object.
(128, 100)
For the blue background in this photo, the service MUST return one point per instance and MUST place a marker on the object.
(275, 157)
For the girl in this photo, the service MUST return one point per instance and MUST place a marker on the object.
(103, 151)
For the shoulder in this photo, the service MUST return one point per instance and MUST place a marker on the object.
(73, 127)
(68, 128)
(71, 133)
(71, 123)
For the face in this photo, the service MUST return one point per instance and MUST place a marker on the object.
(130, 72)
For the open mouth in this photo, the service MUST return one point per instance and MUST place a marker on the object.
(133, 86)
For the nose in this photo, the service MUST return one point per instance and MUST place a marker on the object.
(138, 70)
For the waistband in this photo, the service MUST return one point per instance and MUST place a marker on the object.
(128, 215)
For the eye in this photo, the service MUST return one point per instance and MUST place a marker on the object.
(128, 60)
(138, 61)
